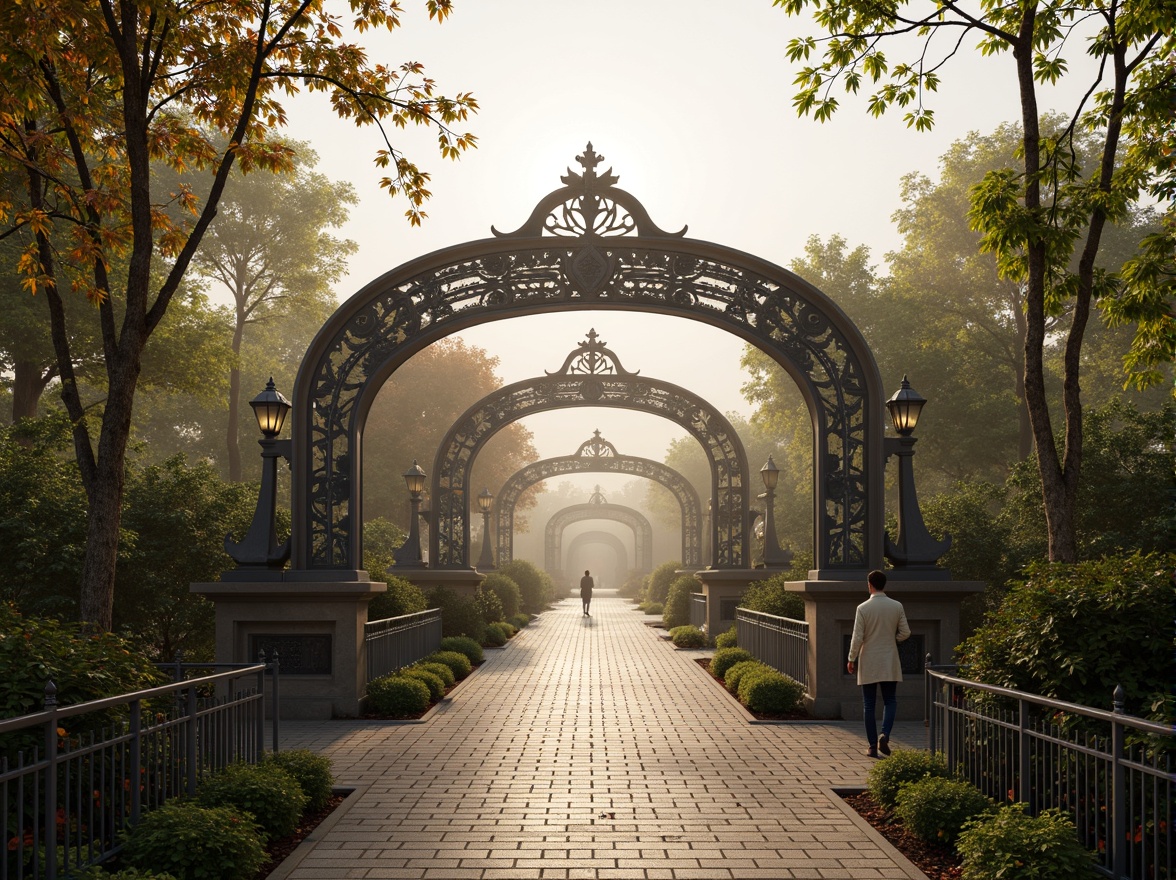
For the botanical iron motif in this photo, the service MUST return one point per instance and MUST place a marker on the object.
(594, 510)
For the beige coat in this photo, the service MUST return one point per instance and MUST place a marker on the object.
(879, 625)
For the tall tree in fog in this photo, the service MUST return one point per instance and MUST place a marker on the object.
(271, 248)
(1044, 215)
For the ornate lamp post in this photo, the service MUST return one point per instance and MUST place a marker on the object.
(915, 548)
(774, 557)
(409, 553)
(260, 549)
(485, 503)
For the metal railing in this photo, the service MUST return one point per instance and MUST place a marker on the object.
(698, 610)
(780, 642)
(75, 779)
(396, 642)
(1110, 772)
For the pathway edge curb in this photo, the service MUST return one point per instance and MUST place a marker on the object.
(355, 791)
(909, 869)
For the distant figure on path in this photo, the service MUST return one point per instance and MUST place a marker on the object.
(586, 591)
(879, 625)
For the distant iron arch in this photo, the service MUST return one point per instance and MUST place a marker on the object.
(598, 509)
(588, 245)
(591, 375)
(598, 455)
(608, 539)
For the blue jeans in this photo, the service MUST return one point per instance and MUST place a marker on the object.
(889, 708)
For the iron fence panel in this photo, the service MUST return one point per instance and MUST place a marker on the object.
(780, 642)
(698, 611)
(396, 642)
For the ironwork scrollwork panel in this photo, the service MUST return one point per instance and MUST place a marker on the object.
(626, 516)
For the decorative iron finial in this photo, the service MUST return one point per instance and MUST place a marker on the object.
(592, 358)
(597, 497)
(596, 447)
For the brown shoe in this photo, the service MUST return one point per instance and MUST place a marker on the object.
(871, 753)
(884, 744)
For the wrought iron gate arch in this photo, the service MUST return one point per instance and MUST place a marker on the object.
(597, 455)
(626, 516)
(591, 375)
(588, 246)
(608, 539)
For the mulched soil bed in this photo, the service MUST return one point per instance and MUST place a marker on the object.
(278, 850)
(798, 715)
(937, 861)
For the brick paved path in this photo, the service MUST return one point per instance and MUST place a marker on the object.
(591, 748)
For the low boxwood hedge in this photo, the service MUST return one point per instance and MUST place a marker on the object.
(398, 697)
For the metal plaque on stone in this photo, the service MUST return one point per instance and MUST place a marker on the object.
(297, 654)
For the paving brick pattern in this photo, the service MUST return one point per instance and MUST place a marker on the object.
(589, 747)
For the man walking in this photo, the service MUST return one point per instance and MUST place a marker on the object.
(879, 625)
(586, 586)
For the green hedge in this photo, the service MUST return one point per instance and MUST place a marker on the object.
(269, 793)
(771, 596)
(901, 768)
(728, 639)
(458, 662)
(464, 645)
(676, 611)
(1011, 845)
(434, 683)
(312, 772)
(195, 842)
(936, 809)
(398, 697)
(771, 693)
(657, 586)
(508, 593)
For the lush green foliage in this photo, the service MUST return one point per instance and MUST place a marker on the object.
(434, 683)
(677, 606)
(936, 808)
(518, 621)
(489, 606)
(312, 772)
(687, 636)
(96, 872)
(455, 660)
(460, 615)
(728, 639)
(1011, 845)
(657, 585)
(903, 767)
(735, 674)
(725, 658)
(440, 670)
(403, 597)
(770, 596)
(195, 842)
(654, 608)
(464, 645)
(266, 791)
(395, 696)
(1073, 632)
(536, 587)
(509, 595)
(495, 636)
(771, 692)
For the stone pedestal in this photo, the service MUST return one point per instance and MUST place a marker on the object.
(932, 610)
(723, 588)
(462, 581)
(316, 627)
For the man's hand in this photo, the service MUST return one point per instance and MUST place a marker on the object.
(850, 667)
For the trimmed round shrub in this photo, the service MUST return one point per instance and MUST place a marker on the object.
(489, 605)
(459, 663)
(433, 682)
(402, 597)
(510, 629)
(269, 793)
(688, 637)
(460, 615)
(535, 586)
(725, 658)
(495, 635)
(729, 639)
(677, 604)
(398, 697)
(507, 591)
(653, 608)
(772, 693)
(1010, 845)
(771, 596)
(903, 767)
(936, 809)
(195, 842)
(464, 645)
(312, 772)
(735, 674)
(440, 670)
(95, 872)
(518, 621)
(657, 587)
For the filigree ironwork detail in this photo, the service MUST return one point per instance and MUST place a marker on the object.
(626, 516)
(598, 455)
(530, 273)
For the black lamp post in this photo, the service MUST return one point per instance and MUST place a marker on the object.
(915, 549)
(260, 549)
(774, 557)
(409, 553)
(485, 503)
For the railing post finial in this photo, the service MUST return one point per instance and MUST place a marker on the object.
(1118, 699)
(50, 694)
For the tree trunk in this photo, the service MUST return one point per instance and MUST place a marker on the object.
(28, 384)
(233, 430)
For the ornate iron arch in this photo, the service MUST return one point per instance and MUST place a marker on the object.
(598, 508)
(591, 375)
(588, 245)
(609, 540)
(597, 455)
